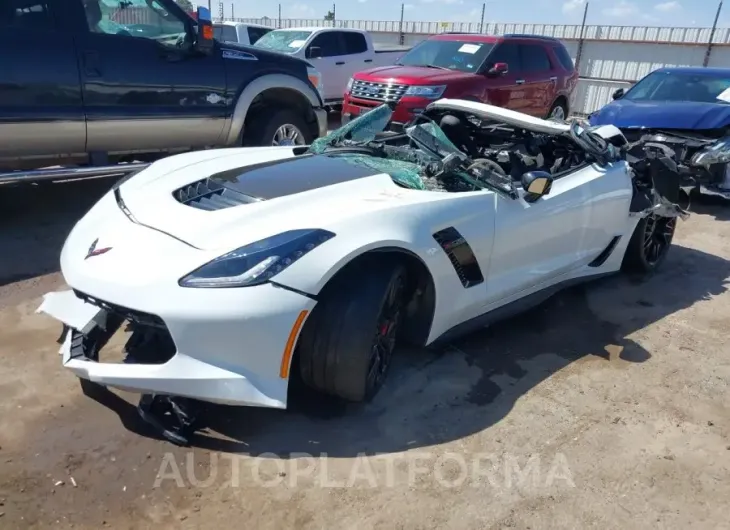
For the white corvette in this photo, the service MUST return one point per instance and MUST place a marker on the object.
(237, 269)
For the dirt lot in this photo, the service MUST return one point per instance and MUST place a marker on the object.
(606, 407)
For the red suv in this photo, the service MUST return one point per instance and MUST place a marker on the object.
(526, 73)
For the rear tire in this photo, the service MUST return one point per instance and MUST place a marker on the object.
(558, 111)
(649, 244)
(262, 128)
(347, 343)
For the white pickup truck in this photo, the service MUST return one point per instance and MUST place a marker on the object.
(337, 53)
(238, 32)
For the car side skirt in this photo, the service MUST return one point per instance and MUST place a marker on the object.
(514, 308)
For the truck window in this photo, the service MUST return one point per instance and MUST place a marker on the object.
(224, 33)
(255, 34)
(330, 43)
(27, 14)
(135, 18)
(354, 43)
(507, 52)
(534, 58)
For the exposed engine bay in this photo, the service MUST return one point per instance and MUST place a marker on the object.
(449, 148)
(701, 158)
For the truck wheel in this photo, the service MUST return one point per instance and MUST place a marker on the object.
(282, 127)
(558, 111)
(347, 344)
(649, 244)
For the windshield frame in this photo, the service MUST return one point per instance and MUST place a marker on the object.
(458, 44)
(303, 35)
(658, 78)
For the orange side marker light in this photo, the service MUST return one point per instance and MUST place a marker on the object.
(289, 349)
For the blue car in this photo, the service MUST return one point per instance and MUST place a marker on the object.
(688, 111)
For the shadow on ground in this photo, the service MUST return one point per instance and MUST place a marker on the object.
(34, 223)
(436, 397)
(711, 205)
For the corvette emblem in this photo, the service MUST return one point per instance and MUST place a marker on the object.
(93, 251)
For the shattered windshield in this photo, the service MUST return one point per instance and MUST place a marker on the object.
(429, 161)
(283, 41)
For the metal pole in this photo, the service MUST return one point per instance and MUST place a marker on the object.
(481, 24)
(233, 14)
(580, 40)
(712, 36)
(401, 36)
(210, 7)
(279, 25)
(334, 14)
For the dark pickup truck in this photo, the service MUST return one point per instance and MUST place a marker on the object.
(81, 86)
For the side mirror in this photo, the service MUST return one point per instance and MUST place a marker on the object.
(498, 69)
(314, 52)
(618, 94)
(536, 184)
(204, 41)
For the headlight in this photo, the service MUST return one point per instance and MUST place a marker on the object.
(430, 92)
(258, 262)
(349, 85)
(717, 153)
(316, 79)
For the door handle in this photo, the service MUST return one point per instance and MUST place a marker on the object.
(554, 78)
(91, 64)
(368, 60)
(340, 63)
(520, 82)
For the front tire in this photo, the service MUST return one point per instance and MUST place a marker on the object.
(649, 244)
(347, 343)
(270, 127)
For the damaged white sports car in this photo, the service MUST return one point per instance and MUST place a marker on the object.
(237, 269)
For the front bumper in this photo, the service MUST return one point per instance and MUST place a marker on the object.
(322, 125)
(229, 351)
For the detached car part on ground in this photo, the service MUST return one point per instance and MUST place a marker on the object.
(686, 110)
(236, 270)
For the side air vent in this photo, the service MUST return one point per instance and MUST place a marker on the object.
(210, 195)
(605, 253)
(461, 256)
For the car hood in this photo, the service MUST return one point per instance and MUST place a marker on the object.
(412, 75)
(265, 191)
(663, 115)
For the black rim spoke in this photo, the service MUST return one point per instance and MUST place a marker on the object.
(385, 334)
(658, 235)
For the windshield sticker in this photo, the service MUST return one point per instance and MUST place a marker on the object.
(470, 48)
(297, 43)
(724, 95)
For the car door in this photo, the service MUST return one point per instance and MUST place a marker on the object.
(358, 55)
(539, 79)
(505, 90)
(41, 110)
(536, 243)
(147, 91)
(331, 62)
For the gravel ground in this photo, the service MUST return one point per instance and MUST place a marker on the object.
(606, 407)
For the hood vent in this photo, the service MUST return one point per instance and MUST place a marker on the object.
(210, 195)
